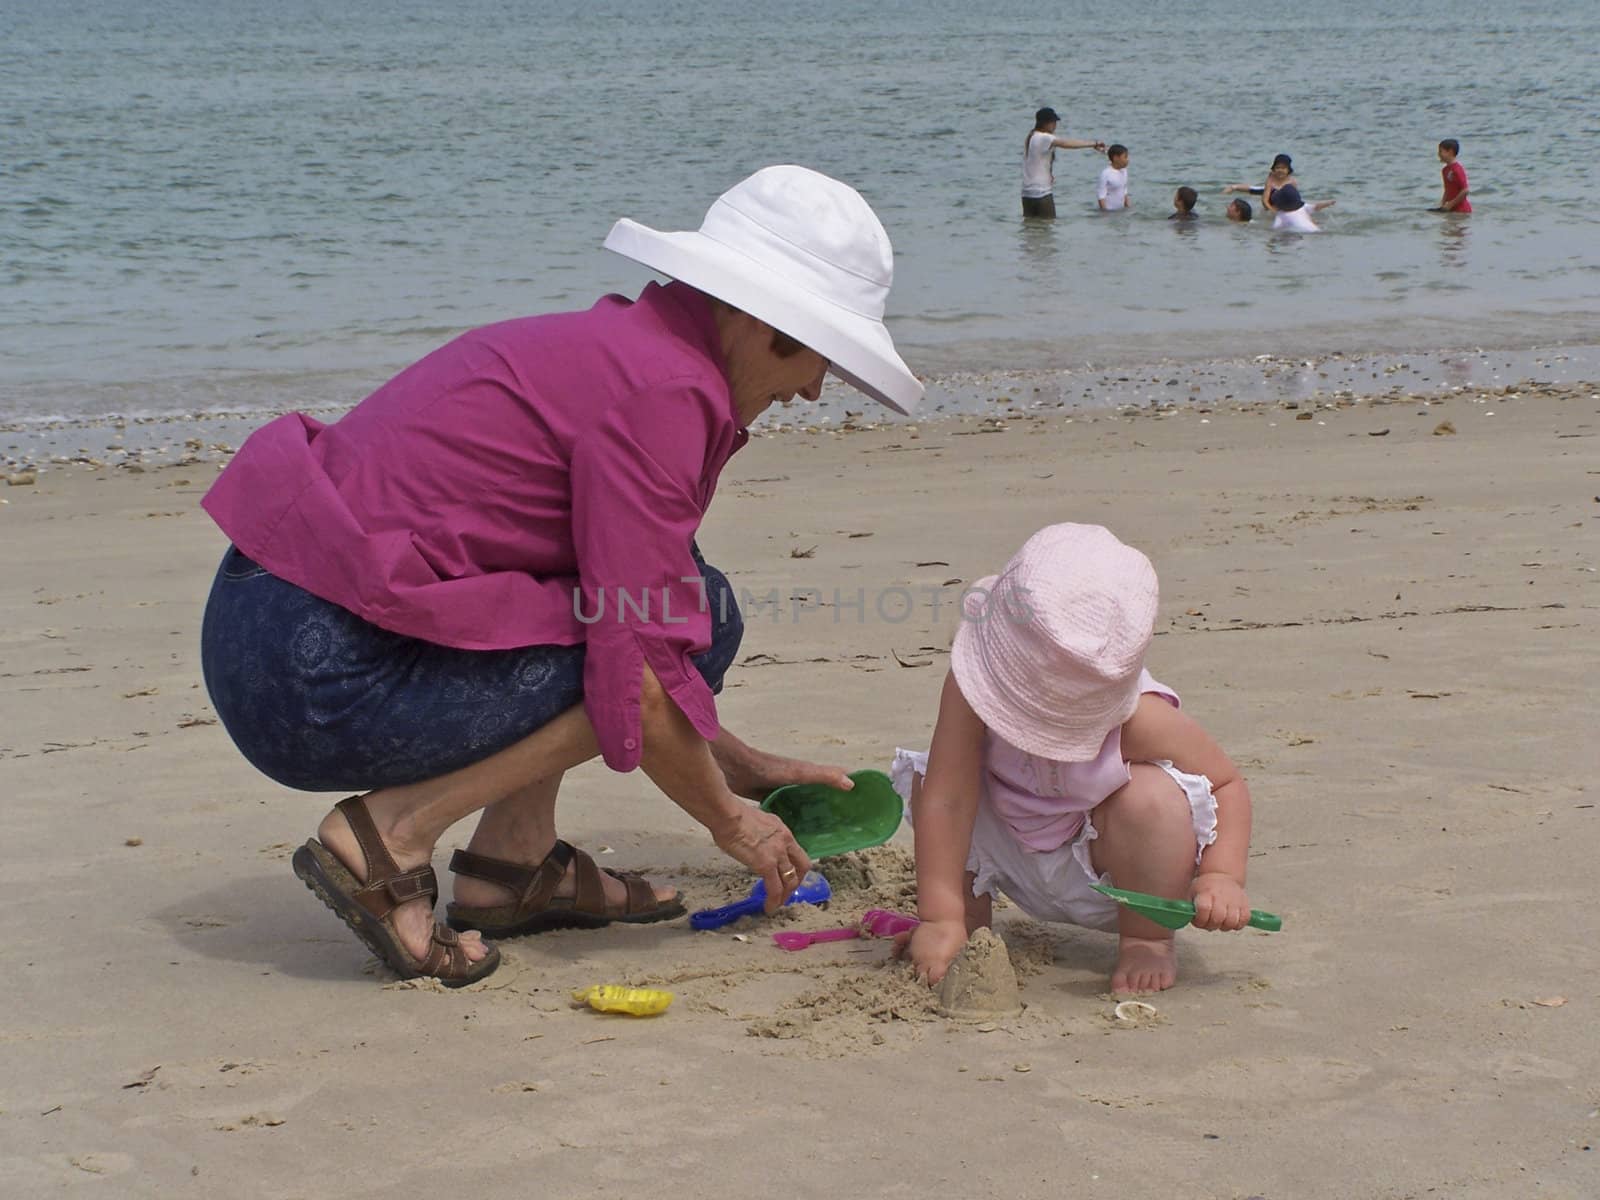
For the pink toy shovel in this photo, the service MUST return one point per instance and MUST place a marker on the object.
(881, 922)
(794, 939)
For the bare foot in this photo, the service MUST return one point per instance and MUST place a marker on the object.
(1145, 965)
(480, 893)
(412, 921)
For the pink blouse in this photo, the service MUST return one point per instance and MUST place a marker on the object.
(534, 482)
(1043, 801)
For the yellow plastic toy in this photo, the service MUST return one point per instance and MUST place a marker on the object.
(614, 998)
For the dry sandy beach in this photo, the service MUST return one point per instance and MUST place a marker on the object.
(1386, 610)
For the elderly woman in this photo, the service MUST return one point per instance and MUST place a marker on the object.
(486, 573)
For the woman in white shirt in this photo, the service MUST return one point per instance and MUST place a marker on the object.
(1038, 163)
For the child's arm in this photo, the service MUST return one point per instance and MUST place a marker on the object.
(1159, 731)
(1318, 205)
(1453, 202)
(1253, 189)
(942, 814)
(1101, 189)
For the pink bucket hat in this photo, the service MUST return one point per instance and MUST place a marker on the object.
(1049, 651)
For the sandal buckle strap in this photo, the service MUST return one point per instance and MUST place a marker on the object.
(383, 896)
(533, 886)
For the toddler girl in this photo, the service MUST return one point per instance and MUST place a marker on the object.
(1059, 762)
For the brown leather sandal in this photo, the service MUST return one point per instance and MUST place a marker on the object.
(365, 907)
(537, 907)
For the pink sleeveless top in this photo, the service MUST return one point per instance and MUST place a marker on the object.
(1043, 801)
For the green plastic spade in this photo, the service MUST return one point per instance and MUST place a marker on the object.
(1175, 914)
(827, 820)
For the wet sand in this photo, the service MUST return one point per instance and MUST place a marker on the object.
(136, 436)
(1383, 605)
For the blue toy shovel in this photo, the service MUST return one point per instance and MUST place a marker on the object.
(1175, 914)
(813, 889)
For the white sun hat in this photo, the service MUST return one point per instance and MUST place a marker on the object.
(802, 252)
(1049, 652)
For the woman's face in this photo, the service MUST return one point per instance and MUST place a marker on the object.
(760, 377)
(1280, 171)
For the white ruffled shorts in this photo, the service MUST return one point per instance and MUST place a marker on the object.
(1051, 885)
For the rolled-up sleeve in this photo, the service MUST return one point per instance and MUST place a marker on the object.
(638, 495)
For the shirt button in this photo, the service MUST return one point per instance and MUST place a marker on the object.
(630, 744)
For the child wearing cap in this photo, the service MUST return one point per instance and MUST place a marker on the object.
(1059, 762)
(1280, 196)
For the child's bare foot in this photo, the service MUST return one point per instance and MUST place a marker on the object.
(1145, 965)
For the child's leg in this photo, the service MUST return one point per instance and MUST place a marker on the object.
(980, 909)
(1146, 843)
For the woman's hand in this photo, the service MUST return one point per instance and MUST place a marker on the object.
(764, 844)
(933, 946)
(753, 773)
(1219, 902)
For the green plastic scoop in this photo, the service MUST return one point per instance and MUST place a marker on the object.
(1175, 914)
(828, 820)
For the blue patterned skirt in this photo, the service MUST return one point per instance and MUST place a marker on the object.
(321, 700)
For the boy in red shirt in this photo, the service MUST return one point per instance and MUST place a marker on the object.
(1455, 179)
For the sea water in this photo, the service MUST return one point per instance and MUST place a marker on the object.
(241, 206)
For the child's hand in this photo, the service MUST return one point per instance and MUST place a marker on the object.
(934, 946)
(1219, 902)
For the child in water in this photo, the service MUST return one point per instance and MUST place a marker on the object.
(1293, 213)
(1183, 202)
(1280, 196)
(1454, 197)
(1111, 193)
(1059, 762)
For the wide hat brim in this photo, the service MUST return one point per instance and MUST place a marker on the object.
(859, 349)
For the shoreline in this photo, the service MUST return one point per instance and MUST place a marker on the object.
(1082, 389)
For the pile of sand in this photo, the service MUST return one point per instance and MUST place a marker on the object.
(881, 877)
(981, 984)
